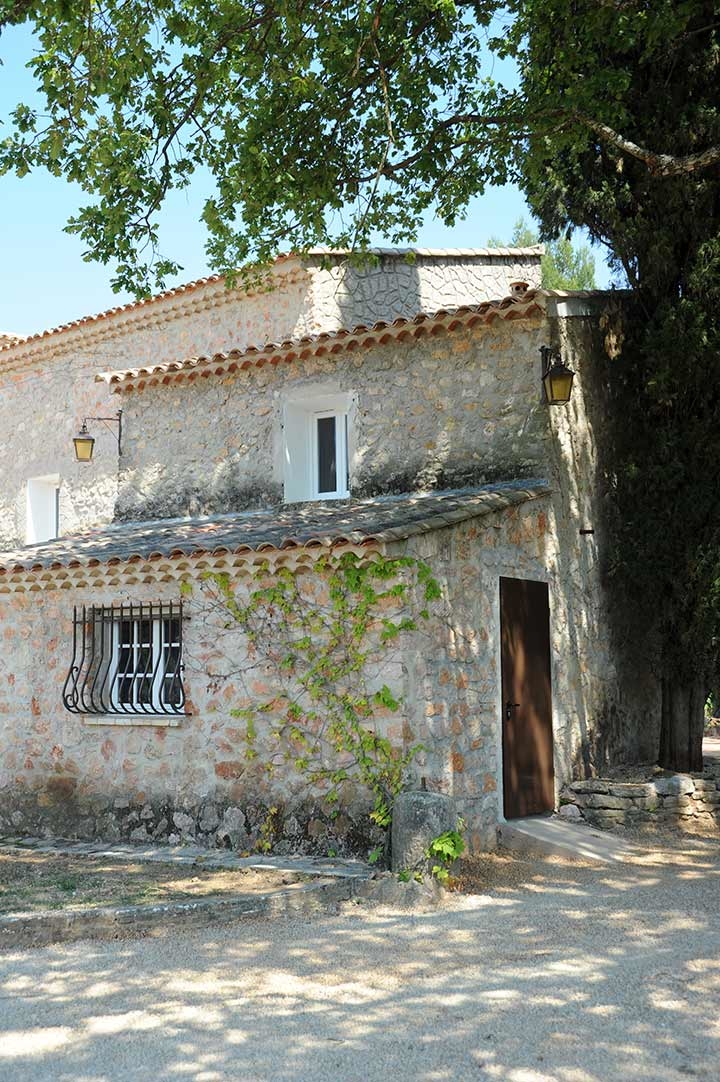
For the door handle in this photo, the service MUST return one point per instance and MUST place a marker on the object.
(509, 707)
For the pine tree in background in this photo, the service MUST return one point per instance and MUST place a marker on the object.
(563, 265)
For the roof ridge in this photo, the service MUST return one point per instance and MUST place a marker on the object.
(502, 251)
(121, 309)
(188, 287)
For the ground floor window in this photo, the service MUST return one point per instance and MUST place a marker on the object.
(127, 659)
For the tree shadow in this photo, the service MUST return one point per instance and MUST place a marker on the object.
(577, 974)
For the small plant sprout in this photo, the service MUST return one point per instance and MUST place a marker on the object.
(444, 850)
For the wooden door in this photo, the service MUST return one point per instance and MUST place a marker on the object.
(528, 774)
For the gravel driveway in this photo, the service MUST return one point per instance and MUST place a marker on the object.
(577, 974)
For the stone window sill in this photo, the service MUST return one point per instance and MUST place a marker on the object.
(165, 722)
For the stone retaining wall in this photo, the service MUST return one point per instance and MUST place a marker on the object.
(121, 922)
(691, 802)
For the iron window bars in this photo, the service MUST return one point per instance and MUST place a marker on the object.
(127, 659)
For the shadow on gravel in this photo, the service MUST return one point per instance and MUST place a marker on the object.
(564, 973)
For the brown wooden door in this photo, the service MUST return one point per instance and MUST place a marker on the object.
(528, 774)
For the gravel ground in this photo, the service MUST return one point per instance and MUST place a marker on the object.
(558, 973)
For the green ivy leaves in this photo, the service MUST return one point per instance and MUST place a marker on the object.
(317, 637)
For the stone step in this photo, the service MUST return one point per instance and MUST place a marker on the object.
(168, 918)
(551, 836)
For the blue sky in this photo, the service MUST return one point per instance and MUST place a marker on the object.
(44, 280)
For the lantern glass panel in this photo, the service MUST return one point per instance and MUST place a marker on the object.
(558, 384)
(84, 445)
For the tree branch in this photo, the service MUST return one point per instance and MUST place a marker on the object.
(661, 165)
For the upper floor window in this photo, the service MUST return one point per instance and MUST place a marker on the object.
(43, 509)
(316, 451)
(329, 455)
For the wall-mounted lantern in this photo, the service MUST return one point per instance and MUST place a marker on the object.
(557, 378)
(85, 443)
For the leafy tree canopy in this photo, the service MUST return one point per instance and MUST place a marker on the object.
(654, 76)
(563, 266)
(328, 122)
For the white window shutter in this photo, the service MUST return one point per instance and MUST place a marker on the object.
(42, 509)
(295, 454)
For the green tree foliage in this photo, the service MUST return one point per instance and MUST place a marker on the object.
(323, 121)
(563, 266)
(655, 76)
(328, 122)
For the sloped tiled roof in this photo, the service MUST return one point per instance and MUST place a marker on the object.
(7, 342)
(444, 320)
(99, 317)
(309, 525)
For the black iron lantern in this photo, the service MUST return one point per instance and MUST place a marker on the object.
(84, 444)
(557, 378)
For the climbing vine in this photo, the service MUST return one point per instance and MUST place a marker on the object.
(321, 639)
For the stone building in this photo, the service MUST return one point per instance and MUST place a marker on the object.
(393, 408)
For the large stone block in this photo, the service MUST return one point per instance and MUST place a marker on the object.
(419, 818)
(626, 789)
(601, 800)
(592, 785)
(683, 801)
(705, 785)
(676, 785)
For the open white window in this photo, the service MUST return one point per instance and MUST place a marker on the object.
(43, 509)
(316, 438)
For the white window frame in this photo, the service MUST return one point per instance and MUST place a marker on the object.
(341, 455)
(157, 670)
(42, 490)
(300, 451)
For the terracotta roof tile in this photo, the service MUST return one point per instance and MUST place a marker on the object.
(131, 306)
(518, 306)
(308, 525)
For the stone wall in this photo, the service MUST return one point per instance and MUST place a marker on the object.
(47, 382)
(147, 779)
(403, 283)
(119, 777)
(41, 407)
(48, 385)
(462, 408)
(460, 685)
(110, 777)
(618, 674)
(690, 802)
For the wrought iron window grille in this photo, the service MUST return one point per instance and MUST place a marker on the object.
(127, 660)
